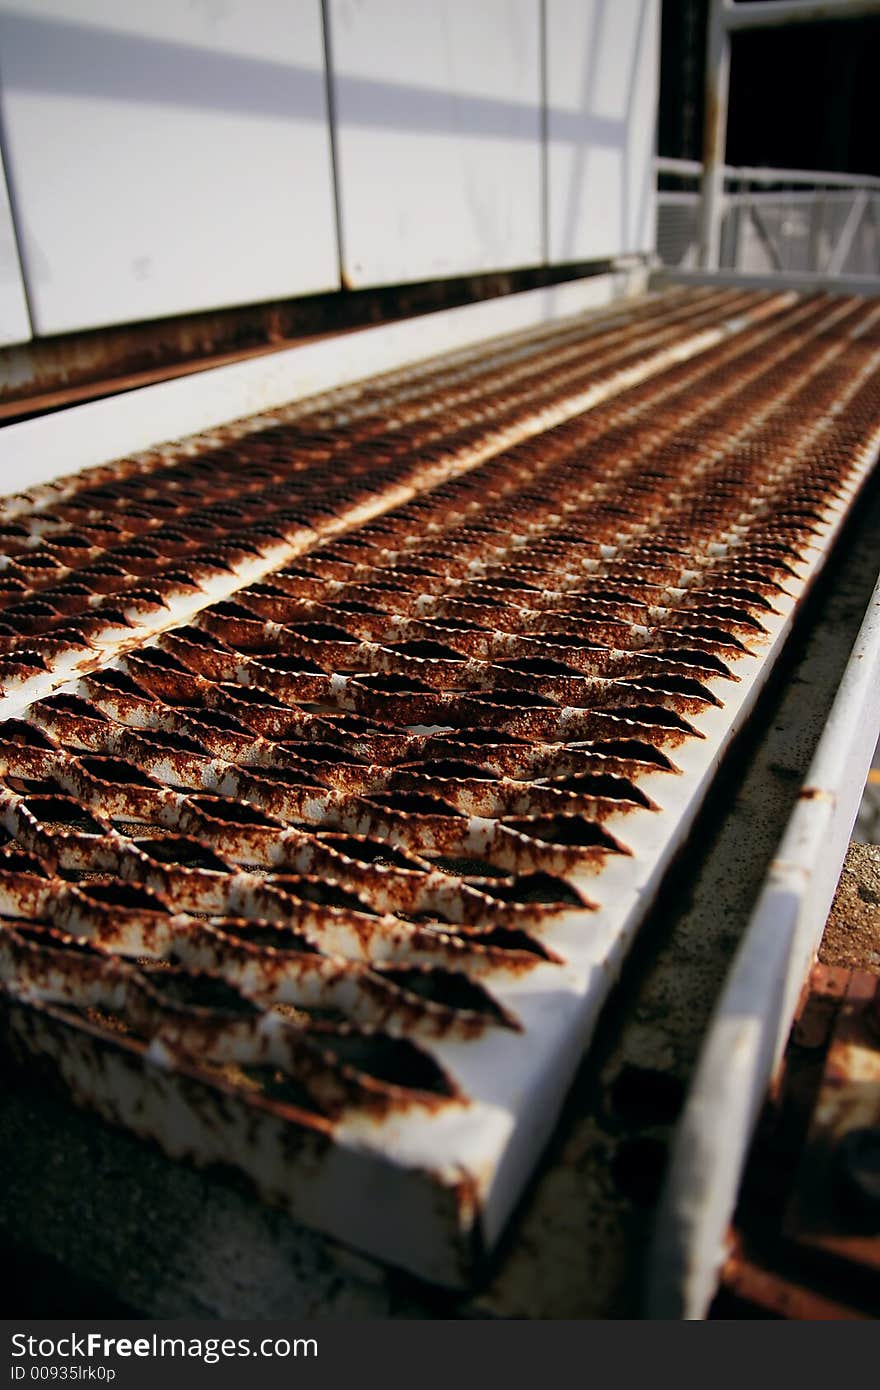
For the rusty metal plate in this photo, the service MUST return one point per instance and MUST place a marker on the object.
(344, 753)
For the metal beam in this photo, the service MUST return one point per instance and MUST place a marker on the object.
(776, 15)
(726, 18)
(745, 173)
(684, 168)
(823, 178)
(714, 136)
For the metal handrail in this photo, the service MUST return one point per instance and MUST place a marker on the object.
(732, 173)
(725, 19)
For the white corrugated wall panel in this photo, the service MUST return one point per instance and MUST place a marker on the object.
(438, 136)
(166, 157)
(603, 59)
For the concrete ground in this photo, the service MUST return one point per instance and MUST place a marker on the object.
(852, 936)
(867, 827)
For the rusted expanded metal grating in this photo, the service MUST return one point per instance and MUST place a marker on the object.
(96, 560)
(343, 756)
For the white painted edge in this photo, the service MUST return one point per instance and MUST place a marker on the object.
(38, 451)
(753, 1018)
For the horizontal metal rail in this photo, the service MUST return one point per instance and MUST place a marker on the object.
(740, 173)
(739, 18)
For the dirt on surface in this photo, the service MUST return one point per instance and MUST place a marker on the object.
(852, 934)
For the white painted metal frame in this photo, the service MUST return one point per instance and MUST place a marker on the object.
(727, 17)
(754, 1015)
(765, 174)
(819, 187)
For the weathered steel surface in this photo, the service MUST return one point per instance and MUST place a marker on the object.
(101, 559)
(330, 874)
